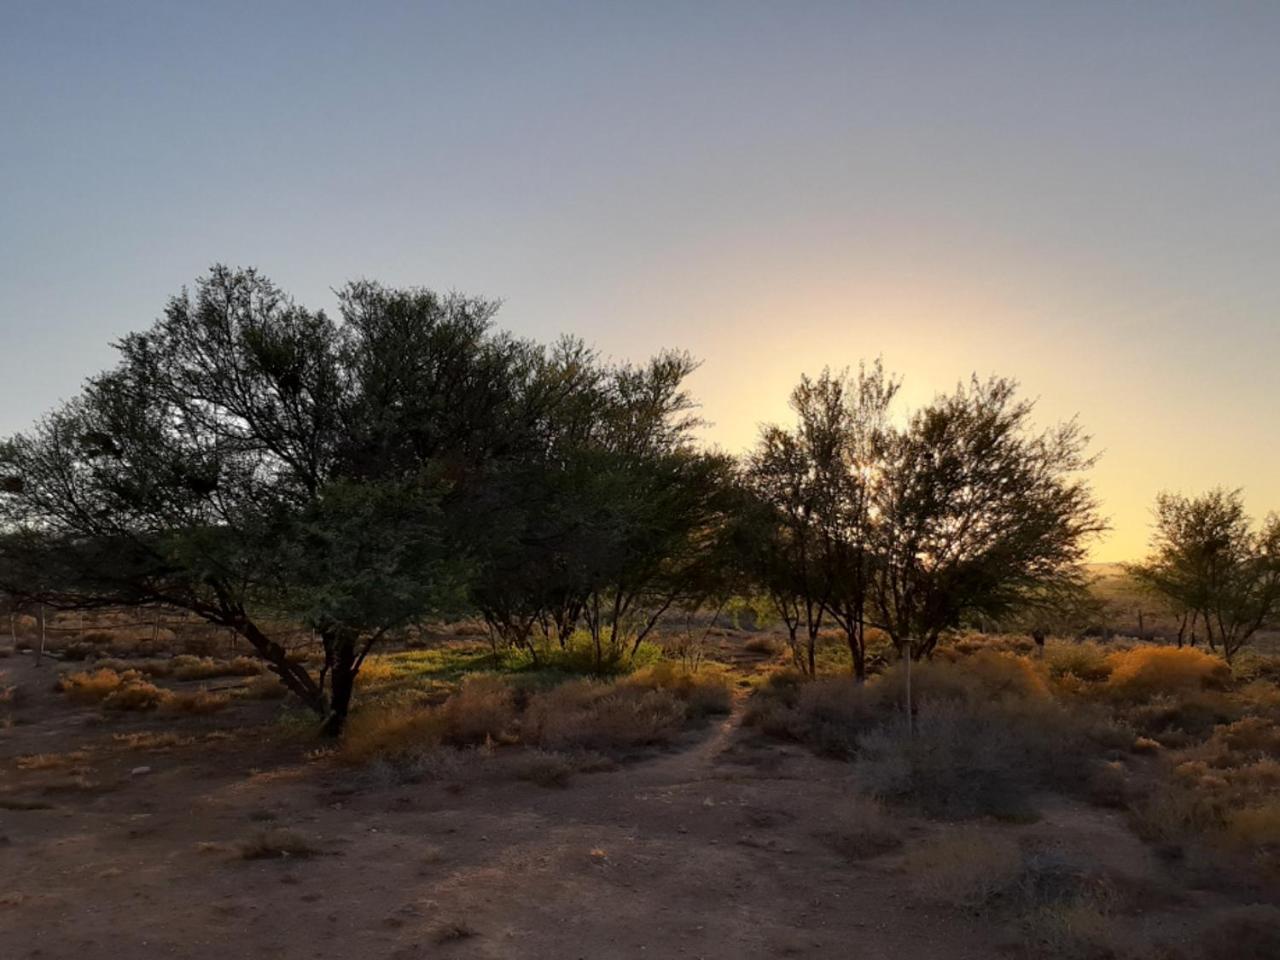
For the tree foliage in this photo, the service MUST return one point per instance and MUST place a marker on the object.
(1209, 560)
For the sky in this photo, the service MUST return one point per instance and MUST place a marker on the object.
(1083, 196)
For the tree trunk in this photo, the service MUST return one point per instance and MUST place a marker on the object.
(342, 682)
(911, 720)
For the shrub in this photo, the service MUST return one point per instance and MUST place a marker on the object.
(705, 691)
(590, 714)
(265, 686)
(392, 733)
(864, 832)
(482, 709)
(764, 644)
(1255, 827)
(545, 768)
(964, 867)
(91, 687)
(135, 694)
(1086, 661)
(1147, 671)
(199, 702)
(187, 667)
(277, 844)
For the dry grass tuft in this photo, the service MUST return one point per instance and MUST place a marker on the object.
(90, 687)
(265, 686)
(52, 761)
(964, 867)
(865, 832)
(390, 733)
(277, 845)
(187, 667)
(705, 691)
(482, 710)
(591, 715)
(453, 932)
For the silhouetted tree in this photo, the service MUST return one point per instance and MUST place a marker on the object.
(976, 514)
(248, 457)
(1208, 559)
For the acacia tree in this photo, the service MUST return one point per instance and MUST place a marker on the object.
(977, 514)
(250, 458)
(1208, 559)
(816, 555)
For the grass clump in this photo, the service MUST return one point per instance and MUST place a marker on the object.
(277, 845)
(589, 714)
(188, 667)
(705, 691)
(90, 687)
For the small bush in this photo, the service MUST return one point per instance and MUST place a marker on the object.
(276, 845)
(135, 694)
(265, 686)
(1147, 671)
(393, 733)
(763, 644)
(187, 667)
(706, 691)
(1086, 661)
(864, 832)
(594, 715)
(964, 867)
(90, 687)
(482, 709)
(545, 768)
(200, 702)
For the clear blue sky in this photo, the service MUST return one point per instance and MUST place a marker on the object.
(1084, 195)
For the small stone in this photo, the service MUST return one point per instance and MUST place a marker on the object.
(139, 771)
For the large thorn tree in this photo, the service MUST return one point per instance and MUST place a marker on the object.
(249, 459)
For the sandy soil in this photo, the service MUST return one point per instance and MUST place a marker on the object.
(713, 849)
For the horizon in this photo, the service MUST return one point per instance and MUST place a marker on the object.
(1081, 199)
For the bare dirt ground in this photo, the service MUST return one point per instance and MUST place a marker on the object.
(714, 849)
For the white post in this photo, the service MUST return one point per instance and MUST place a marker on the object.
(40, 649)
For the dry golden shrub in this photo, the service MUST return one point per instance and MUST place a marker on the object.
(134, 693)
(188, 667)
(482, 709)
(390, 733)
(1147, 671)
(708, 690)
(1255, 827)
(265, 686)
(588, 714)
(1086, 661)
(92, 687)
(199, 702)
